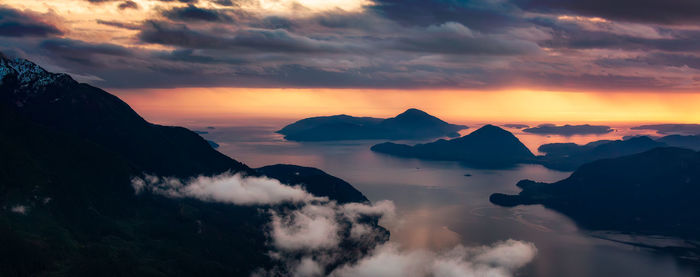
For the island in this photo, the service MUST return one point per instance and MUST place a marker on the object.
(654, 192)
(569, 156)
(686, 129)
(411, 124)
(569, 130)
(489, 147)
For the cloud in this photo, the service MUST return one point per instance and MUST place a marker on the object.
(663, 12)
(20, 209)
(225, 188)
(128, 5)
(569, 130)
(319, 237)
(82, 53)
(123, 25)
(479, 14)
(193, 13)
(388, 260)
(15, 23)
(243, 40)
(455, 38)
(312, 227)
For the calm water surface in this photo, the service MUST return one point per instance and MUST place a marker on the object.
(440, 207)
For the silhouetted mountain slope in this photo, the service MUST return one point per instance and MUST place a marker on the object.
(489, 146)
(411, 124)
(569, 156)
(314, 181)
(68, 208)
(83, 218)
(58, 102)
(690, 142)
(654, 192)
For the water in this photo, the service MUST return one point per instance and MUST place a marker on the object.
(440, 207)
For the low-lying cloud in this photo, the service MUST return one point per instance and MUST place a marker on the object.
(225, 188)
(315, 236)
(498, 260)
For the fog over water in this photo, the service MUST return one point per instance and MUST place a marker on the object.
(439, 207)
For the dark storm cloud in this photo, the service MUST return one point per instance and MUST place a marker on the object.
(193, 13)
(69, 46)
(647, 11)
(482, 44)
(569, 35)
(455, 38)
(224, 2)
(654, 59)
(123, 25)
(15, 23)
(83, 53)
(249, 40)
(477, 14)
(274, 22)
(128, 5)
(192, 56)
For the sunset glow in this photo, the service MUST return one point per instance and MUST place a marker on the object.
(462, 106)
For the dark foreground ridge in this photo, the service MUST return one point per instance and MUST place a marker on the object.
(67, 206)
(411, 124)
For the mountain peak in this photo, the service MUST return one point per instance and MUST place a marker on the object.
(489, 129)
(413, 112)
(28, 77)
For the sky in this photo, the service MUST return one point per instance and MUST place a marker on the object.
(628, 46)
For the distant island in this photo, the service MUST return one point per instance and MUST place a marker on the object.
(568, 130)
(494, 147)
(569, 156)
(687, 129)
(516, 126)
(411, 124)
(654, 192)
(489, 146)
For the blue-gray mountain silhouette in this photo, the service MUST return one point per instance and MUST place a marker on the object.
(489, 146)
(654, 192)
(411, 124)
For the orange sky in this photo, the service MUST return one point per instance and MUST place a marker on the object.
(459, 106)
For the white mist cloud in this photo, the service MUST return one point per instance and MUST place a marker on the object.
(388, 260)
(20, 209)
(319, 237)
(225, 188)
(309, 228)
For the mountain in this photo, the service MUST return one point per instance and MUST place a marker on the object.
(489, 146)
(569, 156)
(691, 129)
(568, 130)
(314, 181)
(57, 102)
(411, 124)
(690, 142)
(67, 205)
(654, 192)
